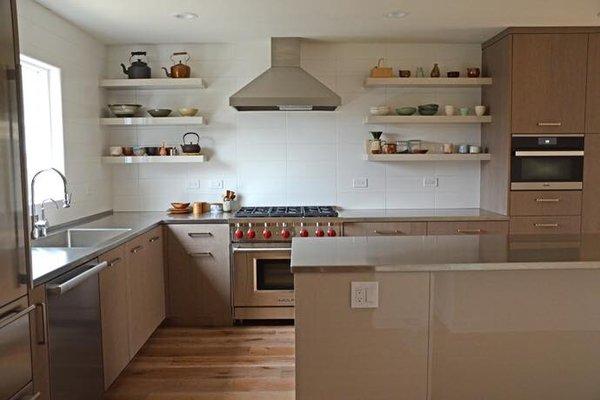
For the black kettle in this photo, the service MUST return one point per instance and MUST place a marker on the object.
(191, 148)
(138, 69)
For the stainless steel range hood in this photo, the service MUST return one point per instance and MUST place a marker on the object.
(285, 86)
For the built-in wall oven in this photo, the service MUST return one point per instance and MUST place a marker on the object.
(547, 162)
(263, 281)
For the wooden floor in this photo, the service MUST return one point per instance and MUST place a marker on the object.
(238, 363)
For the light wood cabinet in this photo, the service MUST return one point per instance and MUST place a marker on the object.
(40, 358)
(199, 275)
(593, 85)
(590, 209)
(114, 300)
(467, 227)
(146, 288)
(545, 202)
(545, 225)
(549, 82)
(384, 228)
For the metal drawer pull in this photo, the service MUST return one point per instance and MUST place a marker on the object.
(31, 396)
(44, 323)
(470, 231)
(15, 315)
(549, 123)
(154, 239)
(114, 261)
(199, 234)
(539, 225)
(541, 200)
(64, 287)
(136, 249)
(201, 254)
(394, 232)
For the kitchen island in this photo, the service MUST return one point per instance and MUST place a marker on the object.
(456, 317)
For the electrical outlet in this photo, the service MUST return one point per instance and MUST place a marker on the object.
(216, 184)
(364, 294)
(193, 184)
(360, 183)
(430, 182)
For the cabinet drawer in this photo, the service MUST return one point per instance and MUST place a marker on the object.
(545, 225)
(201, 237)
(467, 228)
(385, 228)
(545, 203)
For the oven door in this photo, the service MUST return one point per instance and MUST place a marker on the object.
(547, 170)
(262, 277)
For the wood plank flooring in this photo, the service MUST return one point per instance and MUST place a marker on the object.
(238, 363)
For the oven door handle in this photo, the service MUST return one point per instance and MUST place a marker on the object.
(536, 153)
(256, 249)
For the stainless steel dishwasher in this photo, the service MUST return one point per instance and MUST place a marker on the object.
(75, 334)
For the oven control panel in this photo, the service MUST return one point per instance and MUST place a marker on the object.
(282, 231)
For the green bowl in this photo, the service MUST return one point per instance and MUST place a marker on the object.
(406, 110)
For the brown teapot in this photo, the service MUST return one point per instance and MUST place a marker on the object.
(179, 70)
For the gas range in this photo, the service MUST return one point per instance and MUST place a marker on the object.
(281, 224)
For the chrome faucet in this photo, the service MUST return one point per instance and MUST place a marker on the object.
(39, 224)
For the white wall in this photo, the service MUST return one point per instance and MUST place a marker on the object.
(49, 38)
(297, 157)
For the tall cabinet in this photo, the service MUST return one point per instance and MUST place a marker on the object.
(546, 81)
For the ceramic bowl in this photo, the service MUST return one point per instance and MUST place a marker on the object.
(406, 110)
(453, 74)
(188, 112)
(124, 110)
(404, 73)
(152, 150)
(180, 206)
(159, 112)
(428, 109)
(381, 110)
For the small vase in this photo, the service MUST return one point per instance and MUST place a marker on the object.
(435, 72)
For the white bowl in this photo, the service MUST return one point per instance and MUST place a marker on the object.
(382, 110)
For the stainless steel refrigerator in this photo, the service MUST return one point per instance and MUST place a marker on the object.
(15, 276)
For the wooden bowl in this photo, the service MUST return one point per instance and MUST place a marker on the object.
(180, 206)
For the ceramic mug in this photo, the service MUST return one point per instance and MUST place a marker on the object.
(449, 110)
(116, 151)
(127, 150)
(463, 148)
(479, 110)
(464, 111)
(474, 149)
(448, 148)
(139, 151)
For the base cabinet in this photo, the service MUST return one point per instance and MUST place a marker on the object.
(40, 357)
(199, 276)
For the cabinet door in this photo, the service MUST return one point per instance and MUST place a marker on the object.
(199, 275)
(385, 228)
(554, 225)
(137, 256)
(155, 282)
(40, 358)
(114, 303)
(467, 228)
(549, 79)
(593, 85)
(590, 210)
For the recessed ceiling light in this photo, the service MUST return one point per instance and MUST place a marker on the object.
(396, 14)
(185, 15)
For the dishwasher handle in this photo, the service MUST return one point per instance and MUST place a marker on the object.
(60, 288)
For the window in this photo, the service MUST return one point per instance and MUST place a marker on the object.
(42, 110)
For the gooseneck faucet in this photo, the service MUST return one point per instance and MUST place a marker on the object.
(39, 224)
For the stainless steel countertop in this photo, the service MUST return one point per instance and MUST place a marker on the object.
(445, 253)
(50, 262)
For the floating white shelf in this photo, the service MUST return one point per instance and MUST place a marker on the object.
(427, 157)
(153, 83)
(427, 119)
(152, 121)
(153, 159)
(431, 82)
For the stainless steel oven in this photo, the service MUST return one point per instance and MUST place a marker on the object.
(541, 162)
(263, 283)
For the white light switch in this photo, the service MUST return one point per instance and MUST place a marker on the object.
(360, 183)
(216, 184)
(364, 294)
(430, 182)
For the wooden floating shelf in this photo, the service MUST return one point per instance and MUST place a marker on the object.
(427, 119)
(153, 83)
(153, 159)
(152, 121)
(428, 157)
(430, 82)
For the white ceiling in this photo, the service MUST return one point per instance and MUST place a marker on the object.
(150, 21)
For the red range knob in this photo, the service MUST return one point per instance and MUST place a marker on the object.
(303, 233)
(267, 234)
(331, 232)
(238, 234)
(250, 234)
(285, 234)
(319, 232)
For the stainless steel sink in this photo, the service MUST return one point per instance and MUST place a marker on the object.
(80, 237)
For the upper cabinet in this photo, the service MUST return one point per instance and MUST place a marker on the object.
(549, 82)
(592, 124)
